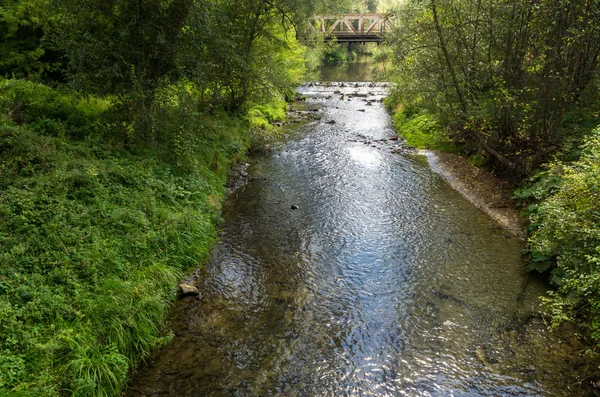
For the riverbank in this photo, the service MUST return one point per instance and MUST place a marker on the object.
(96, 230)
(487, 192)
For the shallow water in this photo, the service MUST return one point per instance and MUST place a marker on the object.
(360, 70)
(383, 282)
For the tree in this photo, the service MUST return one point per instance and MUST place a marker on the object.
(501, 75)
(117, 46)
(24, 52)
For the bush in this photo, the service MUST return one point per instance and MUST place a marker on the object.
(260, 116)
(336, 53)
(50, 112)
(420, 130)
(568, 229)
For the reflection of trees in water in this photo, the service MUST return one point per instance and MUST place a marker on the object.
(360, 69)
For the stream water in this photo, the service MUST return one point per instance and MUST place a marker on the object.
(384, 281)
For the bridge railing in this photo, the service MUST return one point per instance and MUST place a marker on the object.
(348, 26)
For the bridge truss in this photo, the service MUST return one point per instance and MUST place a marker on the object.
(353, 27)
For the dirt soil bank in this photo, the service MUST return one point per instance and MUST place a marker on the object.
(487, 192)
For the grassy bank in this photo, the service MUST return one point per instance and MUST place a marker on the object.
(419, 128)
(96, 228)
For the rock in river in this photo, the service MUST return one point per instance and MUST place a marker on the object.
(186, 289)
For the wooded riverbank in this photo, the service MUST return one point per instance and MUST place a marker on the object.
(120, 119)
(513, 87)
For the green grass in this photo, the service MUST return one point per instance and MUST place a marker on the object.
(95, 234)
(261, 118)
(422, 131)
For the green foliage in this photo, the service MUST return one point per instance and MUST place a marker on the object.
(117, 46)
(261, 118)
(533, 191)
(23, 52)
(50, 111)
(110, 185)
(382, 57)
(93, 237)
(421, 130)
(516, 81)
(262, 115)
(233, 53)
(314, 55)
(567, 223)
(336, 53)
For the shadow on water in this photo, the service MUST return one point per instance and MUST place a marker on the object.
(384, 281)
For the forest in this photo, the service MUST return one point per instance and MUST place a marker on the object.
(120, 119)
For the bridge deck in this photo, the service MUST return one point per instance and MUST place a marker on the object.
(353, 27)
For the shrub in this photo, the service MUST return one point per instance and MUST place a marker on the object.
(50, 112)
(421, 130)
(568, 229)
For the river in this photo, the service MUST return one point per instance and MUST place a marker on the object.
(348, 267)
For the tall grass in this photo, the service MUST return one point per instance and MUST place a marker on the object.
(95, 231)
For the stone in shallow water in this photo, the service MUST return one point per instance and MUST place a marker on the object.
(186, 289)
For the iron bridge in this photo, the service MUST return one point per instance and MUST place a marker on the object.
(351, 28)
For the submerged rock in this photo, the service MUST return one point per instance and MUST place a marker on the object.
(481, 355)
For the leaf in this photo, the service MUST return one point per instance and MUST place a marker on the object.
(540, 267)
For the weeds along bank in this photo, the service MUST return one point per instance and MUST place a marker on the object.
(95, 232)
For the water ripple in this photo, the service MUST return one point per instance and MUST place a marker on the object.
(384, 282)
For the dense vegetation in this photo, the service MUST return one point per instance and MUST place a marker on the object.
(514, 85)
(119, 121)
(95, 236)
